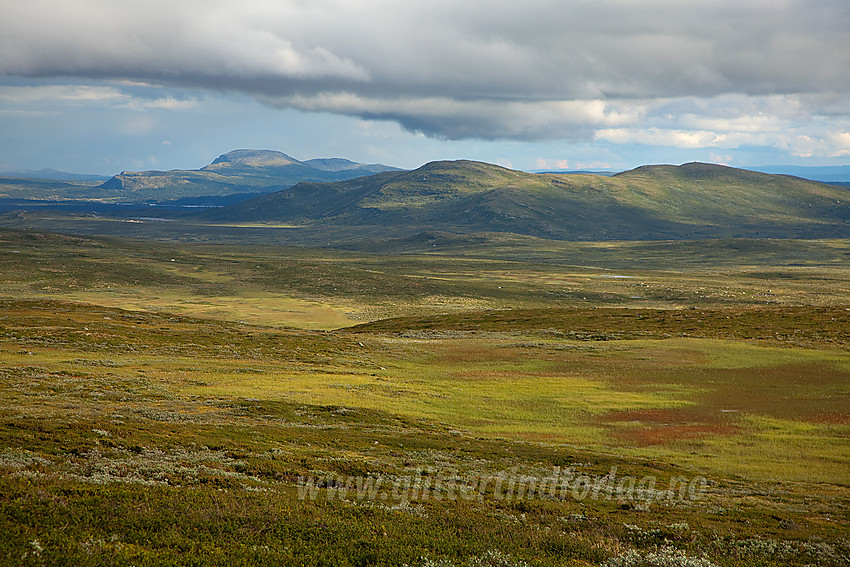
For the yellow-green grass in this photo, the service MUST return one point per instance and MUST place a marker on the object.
(144, 438)
(256, 288)
(707, 403)
(324, 289)
(770, 448)
(260, 308)
(694, 401)
(229, 414)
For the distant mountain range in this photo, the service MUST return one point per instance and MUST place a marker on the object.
(833, 174)
(350, 199)
(238, 173)
(695, 200)
(826, 174)
(53, 174)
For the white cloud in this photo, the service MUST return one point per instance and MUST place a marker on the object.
(716, 74)
(28, 95)
(514, 62)
(722, 159)
(166, 103)
(555, 164)
(839, 143)
(785, 123)
(457, 119)
(51, 99)
(663, 137)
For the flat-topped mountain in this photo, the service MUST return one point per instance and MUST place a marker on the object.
(695, 200)
(252, 158)
(236, 172)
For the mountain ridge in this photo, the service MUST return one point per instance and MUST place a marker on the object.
(53, 175)
(235, 172)
(822, 173)
(693, 200)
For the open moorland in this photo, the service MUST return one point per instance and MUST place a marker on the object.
(485, 400)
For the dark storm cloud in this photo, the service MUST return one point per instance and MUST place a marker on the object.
(474, 69)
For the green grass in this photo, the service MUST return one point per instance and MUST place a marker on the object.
(141, 426)
(325, 289)
(178, 440)
(654, 399)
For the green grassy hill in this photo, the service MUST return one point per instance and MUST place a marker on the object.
(705, 193)
(652, 202)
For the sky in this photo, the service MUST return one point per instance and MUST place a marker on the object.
(102, 86)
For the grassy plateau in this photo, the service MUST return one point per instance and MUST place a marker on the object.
(488, 400)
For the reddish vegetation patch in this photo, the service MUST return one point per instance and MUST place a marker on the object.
(660, 426)
(830, 418)
(788, 391)
(667, 434)
(662, 416)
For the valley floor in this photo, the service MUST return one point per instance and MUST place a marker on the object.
(166, 403)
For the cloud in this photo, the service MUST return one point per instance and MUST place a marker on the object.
(723, 159)
(139, 124)
(840, 142)
(487, 69)
(28, 95)
(800, 133)
(165, 103)
(57, 97)
(451, 118)
(663, 137)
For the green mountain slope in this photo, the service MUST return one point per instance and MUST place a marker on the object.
(652, 202)
(700, 193)
(239, 171)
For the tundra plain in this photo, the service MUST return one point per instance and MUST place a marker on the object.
(174, 403)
